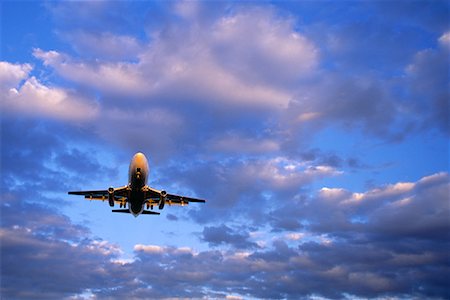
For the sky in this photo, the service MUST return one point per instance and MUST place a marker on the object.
(318, 132)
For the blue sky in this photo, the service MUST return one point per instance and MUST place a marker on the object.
(317, 131)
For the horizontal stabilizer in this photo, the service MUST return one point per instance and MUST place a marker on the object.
(195, 200)
(144, 212)
(149, 212)
(121, 211)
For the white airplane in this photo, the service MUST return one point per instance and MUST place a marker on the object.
(137, 193)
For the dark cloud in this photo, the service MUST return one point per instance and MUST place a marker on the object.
(29, 146)
(398, 255)
(428, 80)
(389, 241)
(331, 159)
(418, 214)
(415, 210)
(331, 270)
(45, 256)
(41, 249)
(39, 156)
(172, 217)
(240, 187)
(359, 103)
(224, 235)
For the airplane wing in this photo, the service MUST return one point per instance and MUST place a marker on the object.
(120, 194)
(155, 196)
(179, 199)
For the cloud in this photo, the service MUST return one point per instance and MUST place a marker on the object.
(40, 157)
(258, 45)
(360, 103)
(245, 90)
(236, 66)
(332, 270)
(232, 186)
(235, 144)
(104, 45)
(317, 157)
(427, 77)
(150, 249)
(390, 212)
(307, 268)
(376, 238)
(110, 78)
(12, 74)
(420, 213)
(223, 234)
(230, 52)
(172, 217)
(387, 241)
(26, 95)
(45, 256)
(444, 39)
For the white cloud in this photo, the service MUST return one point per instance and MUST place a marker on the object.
(434, 178)
(283, 173)
(35, 99)
(344, 197)
(400, 208)
(332, 194)
(149, 248)
(258, 45)
(12, 74)
(296, 236)
(444, 40)
(187, 9)
(231, 297)
(237, 144)
(246, 58)
(308, 116)
(111, 78)
(104, 247)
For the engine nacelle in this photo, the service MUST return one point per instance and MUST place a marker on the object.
(162, 199)
(111, 196)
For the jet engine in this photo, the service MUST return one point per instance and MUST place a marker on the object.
(162, 199)
(111, 196)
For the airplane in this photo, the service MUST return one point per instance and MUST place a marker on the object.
(137, 194)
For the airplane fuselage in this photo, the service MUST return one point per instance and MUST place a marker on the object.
(137, 178)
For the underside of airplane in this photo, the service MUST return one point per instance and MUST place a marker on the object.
(137, 195)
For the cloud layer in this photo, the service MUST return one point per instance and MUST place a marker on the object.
(385, 249)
